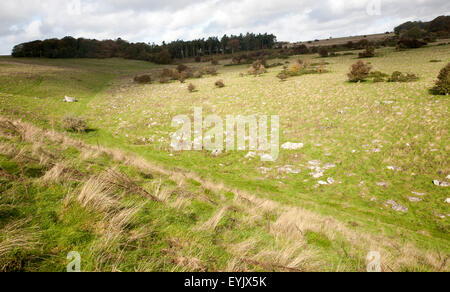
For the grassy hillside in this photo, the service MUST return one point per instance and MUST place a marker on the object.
(122, 198)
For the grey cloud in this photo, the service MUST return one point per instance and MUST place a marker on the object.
(155, 20)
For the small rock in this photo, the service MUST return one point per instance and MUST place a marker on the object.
(419, 194)
(250, 155)
(447, 200)
(440, 183)
(292, 146)
(414, 199)
(397, 207)
(216, 152)
(70, 99)
(329, 166)
(288, 169)
(330, 180)
(394, 168)
(322, 183)
(314, 162)
(267, 158)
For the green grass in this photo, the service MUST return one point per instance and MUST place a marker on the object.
(318, 109)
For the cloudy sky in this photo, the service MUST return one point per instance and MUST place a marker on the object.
(167, 20)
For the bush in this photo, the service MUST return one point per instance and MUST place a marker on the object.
(219, 84)
(143, 79)
(258, 67)
(442, 85)
(183, 76)
(198, 74)
(191, 87)
(368, 53)
(400, 77)
(378, 76)
(214, 62)
(282, 76)
(410, 44)
(323, 52)
(164, 80)
(74, 124)
(359, 71)
(163, 57)
(212, 71)
(182, 68)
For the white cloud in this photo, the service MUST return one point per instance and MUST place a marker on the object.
(155, 20)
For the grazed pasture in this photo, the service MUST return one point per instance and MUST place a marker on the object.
(363, 180)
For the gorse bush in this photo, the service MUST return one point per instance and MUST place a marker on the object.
(143, 79)
(323, 52)
(191, 87)
(359, 71)
(368, 53)
(74, 124)
(219, 84)
(400, 77)
(442, 85)
(258, 67)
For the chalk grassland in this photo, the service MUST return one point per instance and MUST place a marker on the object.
(377, 143)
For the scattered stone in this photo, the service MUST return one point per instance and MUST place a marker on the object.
(447, 200)
(70, 99)
(383, 184)
(440, 183)
(292, 146)
(314, 162)
(376, 150)
(250, 155)
(329, 166)
(414, 199)
(216, 152)
(322, 183)
(397, 207)
(441, 216)
(317, 174)
(288, 169)
(419, 194)
(267, 157)
(448, 177)
(265, 170)
(394, 168)
(330, 180)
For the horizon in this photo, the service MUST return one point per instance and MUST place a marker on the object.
(168, 21)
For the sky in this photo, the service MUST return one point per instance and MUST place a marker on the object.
(154, 21)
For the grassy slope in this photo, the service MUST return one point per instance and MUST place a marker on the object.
(308, 105)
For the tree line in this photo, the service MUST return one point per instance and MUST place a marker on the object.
(70, 47)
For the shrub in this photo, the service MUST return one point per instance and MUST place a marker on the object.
(400, 77)
(143, 79)
(175, 74)
(214, 62)
(359, 71)
(282, 76)
(212, 71)
(219, 84)
(182, 68)
(368, 53)
(74, 124)
(164, 80)
(166, 73)
(378, 76)
(410, 44)
(198, 74)
(191, 87)
(163, 57)
(183, 76)
(323, 52)
(442, 85)
(258, 67)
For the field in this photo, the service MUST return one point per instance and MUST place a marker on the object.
(121, 197)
